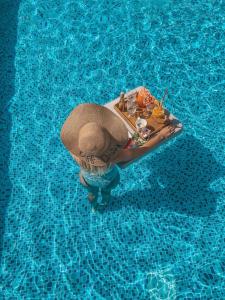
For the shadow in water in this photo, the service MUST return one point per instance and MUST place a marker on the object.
(8, 38)
(180, 181)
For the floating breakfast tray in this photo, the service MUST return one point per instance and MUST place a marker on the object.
(152, 123)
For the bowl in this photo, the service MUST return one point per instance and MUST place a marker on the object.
(140, 123)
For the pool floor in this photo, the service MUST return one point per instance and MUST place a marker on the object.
(163, 235)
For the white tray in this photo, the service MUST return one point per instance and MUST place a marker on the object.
(178, 128)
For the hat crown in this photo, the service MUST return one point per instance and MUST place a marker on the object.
(92, 138)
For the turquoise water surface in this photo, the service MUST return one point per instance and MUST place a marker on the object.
(163, 235)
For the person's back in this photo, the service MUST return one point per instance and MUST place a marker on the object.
(103, 180)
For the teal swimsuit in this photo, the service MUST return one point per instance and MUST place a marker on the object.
(107, 180)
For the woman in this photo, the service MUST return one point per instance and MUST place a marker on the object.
(95, 137)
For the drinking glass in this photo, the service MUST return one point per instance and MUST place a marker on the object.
(131, 107)
(149, 105)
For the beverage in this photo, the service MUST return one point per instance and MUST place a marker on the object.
(122, 101)
(131, 110)
(131, 107)
(159, 112)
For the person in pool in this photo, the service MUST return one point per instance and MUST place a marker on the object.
(96, 137)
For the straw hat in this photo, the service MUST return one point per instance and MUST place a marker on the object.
(94, 133)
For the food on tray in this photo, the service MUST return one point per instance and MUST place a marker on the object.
(146, 133)
(137, 140)
(140, 123)
(144, 97)
(144, 121)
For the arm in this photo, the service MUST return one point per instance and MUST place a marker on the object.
(131, 154)
(126, 155)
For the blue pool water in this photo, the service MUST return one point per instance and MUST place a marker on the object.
(163, 236)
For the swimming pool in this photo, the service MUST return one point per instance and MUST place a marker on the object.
(163, 236)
